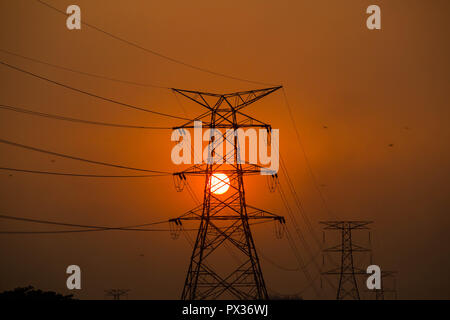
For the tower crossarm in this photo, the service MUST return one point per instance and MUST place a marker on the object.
(253, 213)
(243, 98)
(337, 271)
(340, 225)
(202, 169)
(338, 248)
(224, 105)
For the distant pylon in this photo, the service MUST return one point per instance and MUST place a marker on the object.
(224, 219)
(380, 294)
(117, 293)
(346, 270)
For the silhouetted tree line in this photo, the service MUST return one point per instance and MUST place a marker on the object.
(29, 293)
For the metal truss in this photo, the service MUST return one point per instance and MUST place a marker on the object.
(224, 219)
(347, 270)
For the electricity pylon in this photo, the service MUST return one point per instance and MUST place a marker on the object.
(117, 293)
(224, 219)
(346, 270)
(380, 294)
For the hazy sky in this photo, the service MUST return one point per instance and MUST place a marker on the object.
(370, 89)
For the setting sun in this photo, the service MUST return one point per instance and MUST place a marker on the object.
(219, 183)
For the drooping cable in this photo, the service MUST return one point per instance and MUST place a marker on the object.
(80, 174)
(81, 72)
(78, 158)
(305, 155)
(57, 117)
(127, 105)
(153, 52)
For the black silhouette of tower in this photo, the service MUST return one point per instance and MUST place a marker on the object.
(224, 219)
(380, 294)
(346, 270)
(117, 293)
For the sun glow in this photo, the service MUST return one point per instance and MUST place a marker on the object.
(219, 183)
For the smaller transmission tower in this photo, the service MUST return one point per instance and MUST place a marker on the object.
(117, 293)
(346, 270)
(380, 294)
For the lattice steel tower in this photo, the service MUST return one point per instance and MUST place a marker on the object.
(346, 270)
(380, 294)
(224, 219)
(117, 293)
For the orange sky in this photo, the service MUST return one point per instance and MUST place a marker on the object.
(369, 88)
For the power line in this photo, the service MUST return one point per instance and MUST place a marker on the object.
(57, 117)
(298, 293)
(80, 174)
(91, 228)
(298, 202)
(78, 158)
(300, 235)
(7, 217)
(273, 263)
(294, 221)
(98, 230)
(294, 249)
(302, 213)
(154, 52)
(291, 241)
(297, 268)
(296, 227)
(79, 231)
(82, 72)
(91, 94)
(308, 164)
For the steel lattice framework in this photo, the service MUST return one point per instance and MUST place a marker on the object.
(117, 293)
(380, 294)
(347, 270)
(224, 219)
